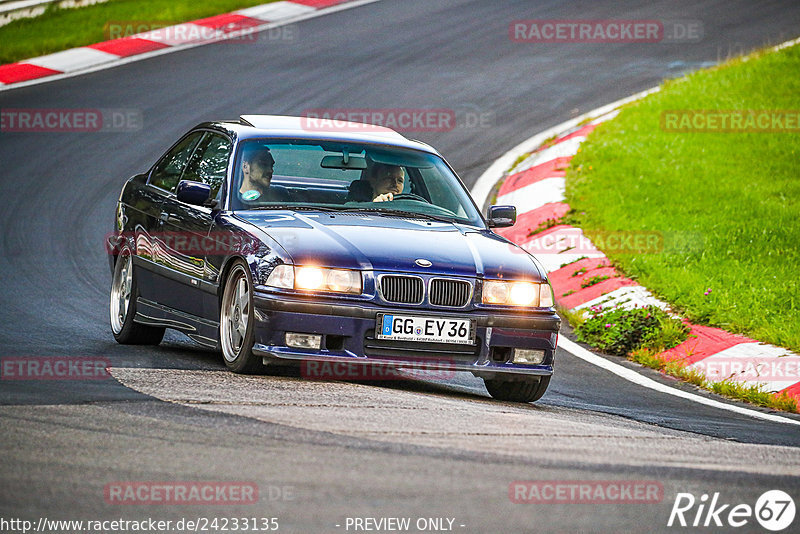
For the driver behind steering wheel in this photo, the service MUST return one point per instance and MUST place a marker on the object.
(380, 183)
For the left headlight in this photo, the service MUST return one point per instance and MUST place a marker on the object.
(315, 279)
(517, 294)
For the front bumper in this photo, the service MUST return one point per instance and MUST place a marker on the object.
(348, 337)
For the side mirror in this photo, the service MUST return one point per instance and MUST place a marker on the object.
(195, 193)
(501, 216)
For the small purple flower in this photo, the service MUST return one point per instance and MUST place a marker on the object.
(707, 292)
(608, 325)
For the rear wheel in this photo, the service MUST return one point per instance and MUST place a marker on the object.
(122, 306)
(528, 390)
(236, 322)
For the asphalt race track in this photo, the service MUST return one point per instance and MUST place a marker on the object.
(322, 452)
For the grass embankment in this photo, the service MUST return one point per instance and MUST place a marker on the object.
(726, 203)
(59, 29)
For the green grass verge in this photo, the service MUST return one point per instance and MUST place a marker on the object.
(59, 29)
(727, 204)
(620, 332)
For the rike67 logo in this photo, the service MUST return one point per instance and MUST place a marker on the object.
(774, 510)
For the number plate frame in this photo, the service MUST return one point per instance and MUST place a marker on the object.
(420, 337)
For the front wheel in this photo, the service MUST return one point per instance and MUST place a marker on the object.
(528, 390)
(122, 307)
(236, 322)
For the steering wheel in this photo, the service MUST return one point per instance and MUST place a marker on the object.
(410, 196)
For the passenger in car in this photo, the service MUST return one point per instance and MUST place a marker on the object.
(257, 169)
(380, 183)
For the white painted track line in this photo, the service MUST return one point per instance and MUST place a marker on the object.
(633, 376)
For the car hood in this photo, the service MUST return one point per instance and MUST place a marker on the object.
(388, 243)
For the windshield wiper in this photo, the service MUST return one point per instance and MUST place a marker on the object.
(292, 208)
(376, 210)
(412, 214)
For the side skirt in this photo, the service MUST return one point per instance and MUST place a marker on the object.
(201, 330)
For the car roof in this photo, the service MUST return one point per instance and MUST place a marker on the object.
(284, 126)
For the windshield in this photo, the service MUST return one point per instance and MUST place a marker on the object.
(302, 174)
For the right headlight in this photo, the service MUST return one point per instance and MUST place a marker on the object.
(511, 293)
(314, 278)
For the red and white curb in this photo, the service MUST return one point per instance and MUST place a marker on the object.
(109, 54)
(536, 186)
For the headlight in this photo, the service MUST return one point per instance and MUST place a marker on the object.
(546, 299)
(281, 276)
(517, 294)
(309, 278)
(315, 279)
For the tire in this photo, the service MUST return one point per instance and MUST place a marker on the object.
(236, 322)
(517, 391)
(122, 306)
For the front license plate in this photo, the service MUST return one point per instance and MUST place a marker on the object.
(425, 329)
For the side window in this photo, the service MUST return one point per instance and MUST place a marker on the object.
(168, 171)
(209, 163)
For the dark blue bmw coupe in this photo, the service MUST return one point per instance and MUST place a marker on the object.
(280, 239)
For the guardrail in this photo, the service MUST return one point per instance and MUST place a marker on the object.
(18, 9)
